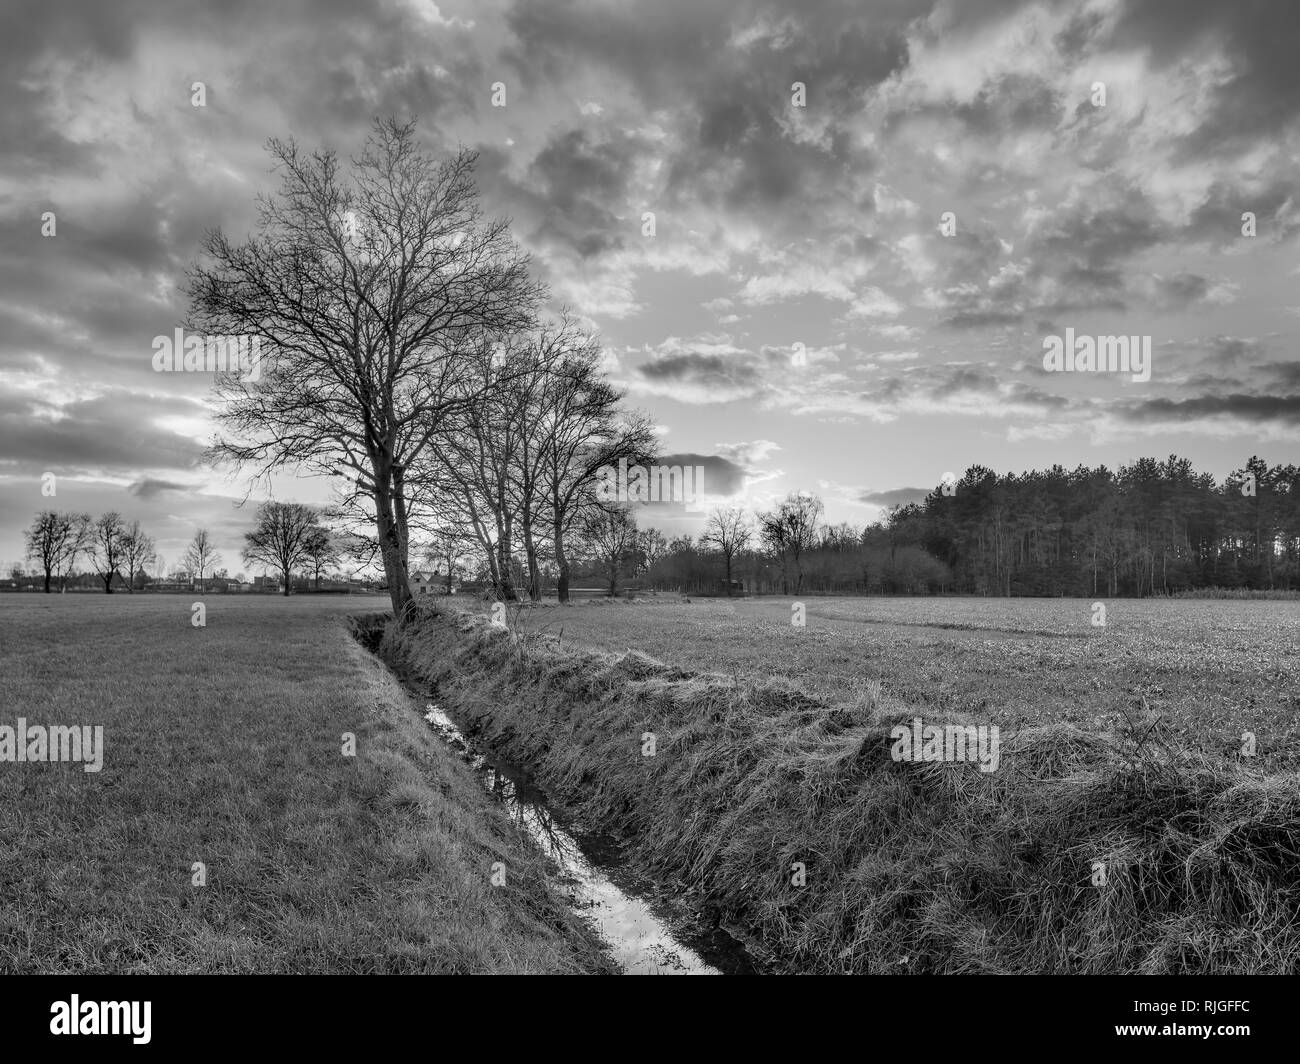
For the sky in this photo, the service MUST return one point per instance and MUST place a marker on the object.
(867, 218)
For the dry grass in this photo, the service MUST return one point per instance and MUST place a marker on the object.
(911, 867)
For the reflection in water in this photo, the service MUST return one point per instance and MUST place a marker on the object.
(642, 944)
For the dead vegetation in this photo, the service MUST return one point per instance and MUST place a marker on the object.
(1087, 852)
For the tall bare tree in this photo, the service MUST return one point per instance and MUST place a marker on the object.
(492, 454)
(364, 288)
(652, 545)
(138, 551)
(789, 532)
(282, 537)
(108, 549)
(584, 432)
(729, 531)
(200, 555)
(319, 552)
(476, 454)
(610, 536)
(54, 541)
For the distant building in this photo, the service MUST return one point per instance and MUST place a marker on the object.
(425, 582)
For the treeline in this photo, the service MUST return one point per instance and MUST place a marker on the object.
(407, 351)
(56, 541)
(286, 538)
(1151, 528)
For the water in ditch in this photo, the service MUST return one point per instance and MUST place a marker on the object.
(640, 940)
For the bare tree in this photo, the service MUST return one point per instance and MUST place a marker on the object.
(200, 555)
(446, 547)
(610, 535)
(107, 547)
(551, 348)
(495, 458)
(584, 432)
(54, 541)
(789, 532)
(319, 552)
(282, 537)
(729, 531)
(477, 453)
(138, 551)
(364, 290)
(652, 545)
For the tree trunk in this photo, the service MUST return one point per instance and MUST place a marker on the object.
(390, 550)
(562, 564)
(505, 579)
(400, 518)
(530, 553)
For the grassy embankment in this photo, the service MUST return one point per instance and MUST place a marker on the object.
(910, 867)
(223, 745)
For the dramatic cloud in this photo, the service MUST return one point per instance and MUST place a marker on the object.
(839, 229)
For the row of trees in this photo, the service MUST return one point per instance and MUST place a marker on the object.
(783, 551)
(1153, 527)
(408, 352)
(786, 550)
(287, 537)
(56, 540)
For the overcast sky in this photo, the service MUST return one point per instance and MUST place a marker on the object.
(775, 225)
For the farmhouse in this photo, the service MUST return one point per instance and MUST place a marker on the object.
(425, 582)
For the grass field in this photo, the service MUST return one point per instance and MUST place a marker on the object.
(223, 745)
(772, 796)
(1213, 670)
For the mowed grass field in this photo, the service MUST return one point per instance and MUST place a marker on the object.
(1211, 669)
(223, 745)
